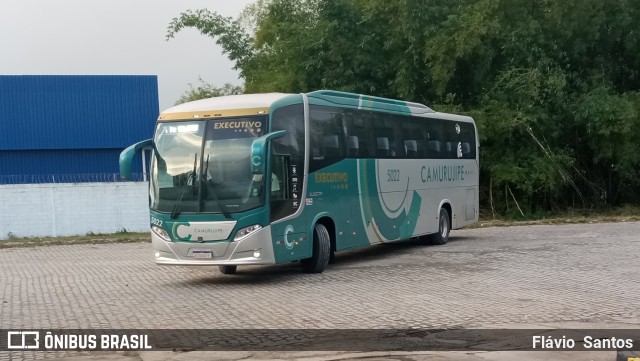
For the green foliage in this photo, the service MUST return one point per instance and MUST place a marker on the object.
(206, 90)
(554, 85)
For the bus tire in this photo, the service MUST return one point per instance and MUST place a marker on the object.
(228, 270)
(444, 227)
(321, 251)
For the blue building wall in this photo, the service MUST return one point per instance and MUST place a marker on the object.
(55, 124)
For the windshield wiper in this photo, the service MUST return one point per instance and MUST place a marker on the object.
(224, 212)
(175, 211)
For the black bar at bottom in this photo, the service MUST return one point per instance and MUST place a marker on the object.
(321, 340)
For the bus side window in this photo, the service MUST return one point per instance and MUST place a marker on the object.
(383, 147)
(332, 146)
(468, 138)
(411, 148)
(450, 150)
(353, 146)
(433, 147)
(466, 149)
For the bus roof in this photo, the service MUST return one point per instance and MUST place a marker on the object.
(251, 104)
(362, 101)
(368, 102)
(229, 105)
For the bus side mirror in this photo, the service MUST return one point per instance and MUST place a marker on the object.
(126, 157)
(259, 149)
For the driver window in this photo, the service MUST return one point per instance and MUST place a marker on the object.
(278, 178)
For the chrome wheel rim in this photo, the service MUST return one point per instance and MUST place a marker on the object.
(444, 226)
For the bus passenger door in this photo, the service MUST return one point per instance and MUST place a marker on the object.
(287, 163)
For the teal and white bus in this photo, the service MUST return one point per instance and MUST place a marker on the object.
(273, 178)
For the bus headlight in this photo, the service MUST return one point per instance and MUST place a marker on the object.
(244, 232)
(161, 233)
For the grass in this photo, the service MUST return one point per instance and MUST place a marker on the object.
(572, 216)
(621, 214)
(90, 238)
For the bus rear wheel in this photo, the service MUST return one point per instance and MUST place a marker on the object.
(228, 270)
(321, 251)
(444, 227)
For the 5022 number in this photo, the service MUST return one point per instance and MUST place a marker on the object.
(393, 175)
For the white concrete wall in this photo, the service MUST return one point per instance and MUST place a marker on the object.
(67, 209)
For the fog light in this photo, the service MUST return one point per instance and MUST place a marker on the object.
(157, 254)
(256, 253)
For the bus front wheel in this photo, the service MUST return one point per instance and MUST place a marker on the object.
(228, 270)
(444, 227)
(321, 251)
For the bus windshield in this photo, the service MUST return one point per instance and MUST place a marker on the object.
(203, 166)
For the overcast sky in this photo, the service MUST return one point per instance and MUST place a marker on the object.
(113, 37)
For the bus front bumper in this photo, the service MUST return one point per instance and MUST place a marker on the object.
(255, 249)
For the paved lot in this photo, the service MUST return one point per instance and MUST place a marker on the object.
(493, 277)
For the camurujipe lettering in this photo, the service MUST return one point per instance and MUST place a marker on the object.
(442, 173)
(236, 125)
(207, 230)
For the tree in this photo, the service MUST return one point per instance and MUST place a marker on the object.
(554, 85)
(206, 90)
